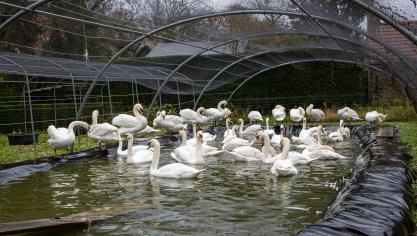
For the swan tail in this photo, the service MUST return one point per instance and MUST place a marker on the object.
(174, 156)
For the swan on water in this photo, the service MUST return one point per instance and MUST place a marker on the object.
(123, 153)
(268, 130)
(229, 131)
(188, 153)
(138, 157)
(284, 166)
(250, 131)
(320, 151)
(174, 170)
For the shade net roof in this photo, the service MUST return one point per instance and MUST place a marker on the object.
(200, 51)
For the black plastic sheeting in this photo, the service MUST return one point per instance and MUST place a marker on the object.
(378, 199)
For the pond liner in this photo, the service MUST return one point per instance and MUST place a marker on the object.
(378, 199)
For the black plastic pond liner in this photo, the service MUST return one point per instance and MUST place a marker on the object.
(378, 199)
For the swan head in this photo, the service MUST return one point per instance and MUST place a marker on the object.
(139, 108)
(182, 133)
(95, 113)
(201, 111)
(127, 136)
(229, 120)
(163, 114)
(227, 112)
(200, 136)
(281, 129)
(222, 103)
(153, 143)
(240, 120)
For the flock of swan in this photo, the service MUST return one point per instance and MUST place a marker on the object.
(237, 141)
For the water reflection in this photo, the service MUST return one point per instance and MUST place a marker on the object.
(228, 198)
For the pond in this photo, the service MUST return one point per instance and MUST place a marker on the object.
(228, 198)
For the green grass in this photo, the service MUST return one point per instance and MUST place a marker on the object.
(17, 153)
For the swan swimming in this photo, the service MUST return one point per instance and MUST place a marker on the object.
(63, 137)
(267, 130)
(138, 157)
(319, 151)
(174, 170)
(188, 153)
(123, 153)
(250, 131)
(129, 123)
(284, 166)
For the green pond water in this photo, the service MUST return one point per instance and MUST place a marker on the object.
(229, 198)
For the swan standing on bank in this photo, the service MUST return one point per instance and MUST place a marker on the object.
(374, 117)
(63, 137)
(297, 114)
(197, 116)
(104, 132)
(279, 113)
(175, 170)
(138, 157)
(169, 122)
(131, 124)
(348, 114)
(315, 115)
(254, 116)
(190, 154)
(284, 166)
(219, 113)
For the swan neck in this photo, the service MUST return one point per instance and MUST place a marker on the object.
(156, 155)
(94, 117)
(194, 131)
(319, 137)
(241, 129)
(267, 145)
(136, 110)
(129, 148)
(76, 123)
(285, 148)
(184, 138)
(199, 151)
(304, 124)
(227, 124)
(267, 123)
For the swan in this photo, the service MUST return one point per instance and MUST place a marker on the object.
(219, 113)
(131, 124)
(63, 137)
(348, 114)
(269, 155)
(189, 115)
(188, 153)
(149, 130)
(207, 137)
(337, 136)
(207, 150)
(246, 153)
(138, 157)
(284, 166)
(123, 153)
(175, 170)
(320, 151)
(316, 115)
(103, 132)
(254, 116)
(297, 114)
(306, 136)
(374, 117)
(228, 132)
(250, 131)
(169, 122)
(267, 130)
(279, 113)
(232, 142)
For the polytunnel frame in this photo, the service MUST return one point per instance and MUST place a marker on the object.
(284, 50)
(367, 8)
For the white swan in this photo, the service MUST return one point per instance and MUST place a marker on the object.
(297, 114)
(206, 149)
(131, 124)
(63, 137)
(276, 138)
(175, 170)
(103, 132)
(279, 113)
(229, 131)
(306, 136)
(255, 116)
(188, 153)
(246, 153)
(197, 116)
(250, 131)
(315, 115)
(267, 130)
(219, 113)
(337, 136)
(375, 117)
(320, 151)
(149, 130)
(232, 142)
(348, 114)
(269, 155)
(284, 166)
(169, 122)
(138, 157)
(123, 153)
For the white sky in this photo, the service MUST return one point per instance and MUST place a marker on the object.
(219, 4)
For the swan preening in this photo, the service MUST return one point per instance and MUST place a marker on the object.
(241, 147)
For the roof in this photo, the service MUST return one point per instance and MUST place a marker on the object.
(177, 49)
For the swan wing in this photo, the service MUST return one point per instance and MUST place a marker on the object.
(142, 156)
(124, 120)
(177, 171)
